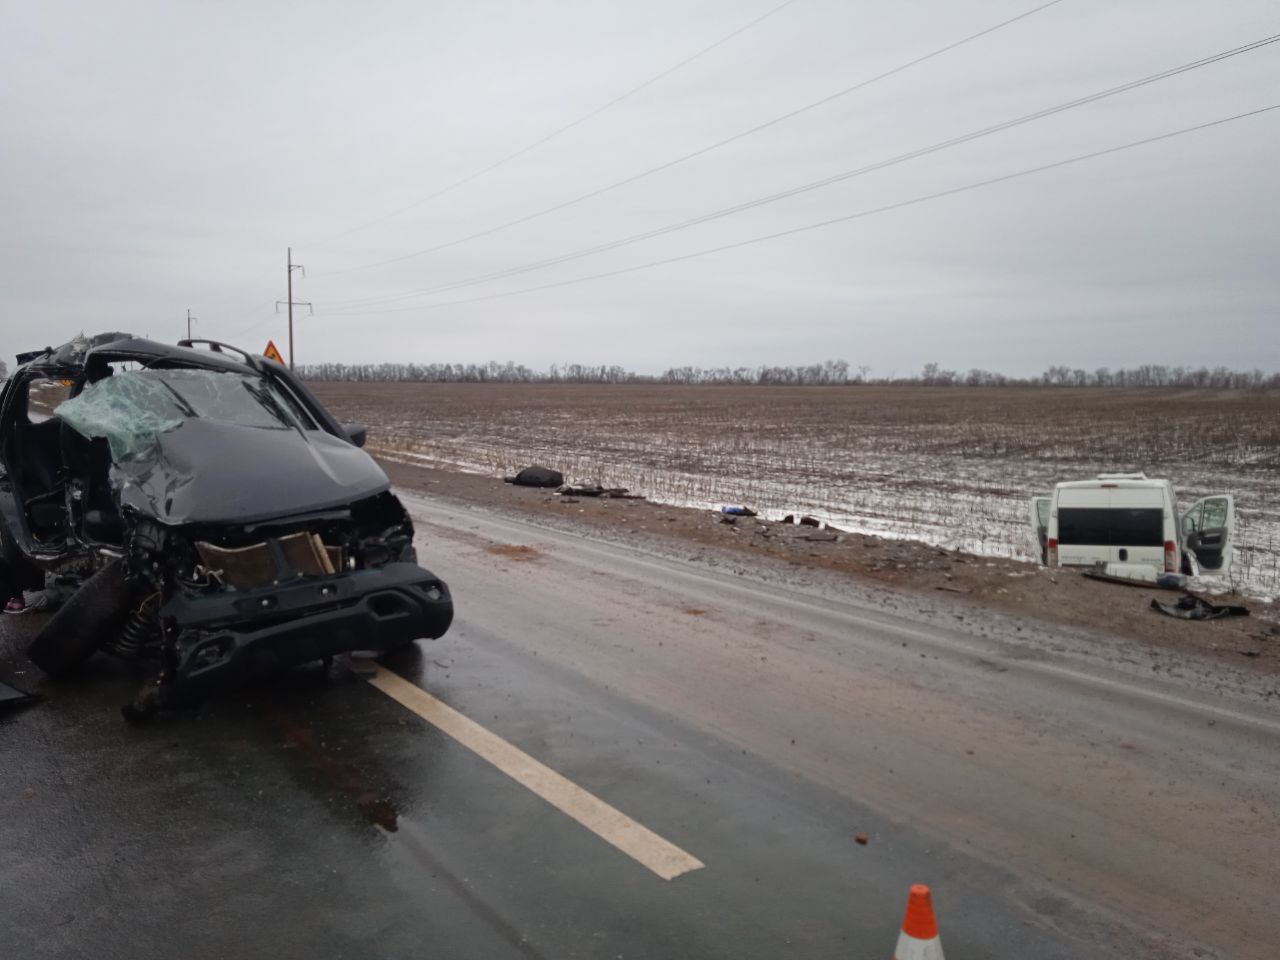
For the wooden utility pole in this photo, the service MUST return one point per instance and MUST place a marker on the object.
(289, 286)
(290, 266)
(189, 319)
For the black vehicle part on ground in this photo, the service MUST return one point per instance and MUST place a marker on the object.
(537, 477)
(94, 614)
(1191, 607)
(241, 635)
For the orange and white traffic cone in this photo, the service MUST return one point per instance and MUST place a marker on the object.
(919, 938)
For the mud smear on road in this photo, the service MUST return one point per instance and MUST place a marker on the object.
(346, 778)
(512, 551)
(380, 811)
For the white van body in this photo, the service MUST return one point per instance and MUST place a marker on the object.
(1129, 519)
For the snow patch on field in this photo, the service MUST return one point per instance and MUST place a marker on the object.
(950, 470)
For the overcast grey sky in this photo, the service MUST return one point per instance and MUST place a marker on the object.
(161, 156)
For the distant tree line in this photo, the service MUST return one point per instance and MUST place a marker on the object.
(491, 372)
(827, 373)
(1146, 375)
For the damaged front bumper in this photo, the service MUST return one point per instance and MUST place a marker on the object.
(232, 636)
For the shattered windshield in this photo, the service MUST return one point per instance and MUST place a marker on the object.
(130, 409)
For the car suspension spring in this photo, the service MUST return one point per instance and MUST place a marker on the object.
(141, 634)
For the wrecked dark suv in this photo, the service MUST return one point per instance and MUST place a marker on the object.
(217, 520)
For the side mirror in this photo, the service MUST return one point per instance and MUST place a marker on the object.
(357, 433)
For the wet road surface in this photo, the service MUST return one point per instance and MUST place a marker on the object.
(1060, 803)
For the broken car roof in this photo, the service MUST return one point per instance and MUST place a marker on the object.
(77, 354)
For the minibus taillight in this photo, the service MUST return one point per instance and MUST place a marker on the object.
(1053, 552)
(1170, 556)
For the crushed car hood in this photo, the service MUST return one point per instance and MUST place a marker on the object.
(202, 471)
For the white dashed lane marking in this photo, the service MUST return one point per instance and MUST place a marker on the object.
(634, 839)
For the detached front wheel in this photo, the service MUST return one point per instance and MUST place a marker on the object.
(94, 614)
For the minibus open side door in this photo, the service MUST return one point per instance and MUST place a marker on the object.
(1208, 527)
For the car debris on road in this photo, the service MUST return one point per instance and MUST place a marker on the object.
(219, 522)
(596, 490)
(1191, 607)
(536, 476)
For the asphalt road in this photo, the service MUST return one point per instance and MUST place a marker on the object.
(596, 707)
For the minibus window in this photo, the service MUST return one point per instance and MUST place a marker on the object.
(1215, 513)
(1191, 519)
(1103, 527)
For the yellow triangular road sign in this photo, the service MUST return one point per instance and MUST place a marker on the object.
(271, 353)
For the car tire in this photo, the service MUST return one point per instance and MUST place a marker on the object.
(93, 615)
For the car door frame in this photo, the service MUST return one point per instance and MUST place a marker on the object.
(13, 511)
(1040, 530)
(1210, 547)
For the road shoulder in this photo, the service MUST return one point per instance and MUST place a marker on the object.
(980, 588)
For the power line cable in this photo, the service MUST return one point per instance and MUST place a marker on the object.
(842, 219)
(813, 105)
(582, 119)
(563, 129)
(260, 322)
(826, 181)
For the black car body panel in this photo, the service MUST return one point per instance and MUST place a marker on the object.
(181, 483)
(252, 531)
(237, 638)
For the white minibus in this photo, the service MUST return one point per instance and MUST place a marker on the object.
(1128, 518)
